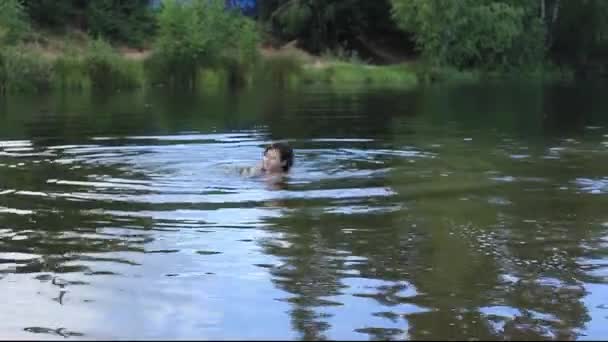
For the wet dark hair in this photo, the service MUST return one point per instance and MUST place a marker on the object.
(286, 153)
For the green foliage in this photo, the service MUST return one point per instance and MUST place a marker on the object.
(428, 73)
(161, 69)
(294, 19)
(348, 73)
(508, 35)
(581, 38)
(126, 21)
(107, 70)
(23, 71)
(320, 25)
(13, 21)
(101, 68)
(70, 72)
(57, 14)
(467, 33)
(198, 39)
(280, 69)
(118, 20)
(198, 34)
(239, 58)
(191, 33)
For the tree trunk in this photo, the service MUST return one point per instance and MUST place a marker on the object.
(550, 22)
(542, 10)
(555, 12)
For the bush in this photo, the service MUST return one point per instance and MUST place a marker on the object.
(126, 21)
(162, 69)
(280, 68)
(107, 70)
(240, 57)
(201, 33)
(13, 21)
(23, 71)
(70, 72)
(472, 33)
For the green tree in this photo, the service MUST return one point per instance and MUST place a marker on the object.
(466, 33)
(507, 33)
(202, 33)
(57, 14)
(128, 21)
(325, 24)
(581, 33)
(13, 21)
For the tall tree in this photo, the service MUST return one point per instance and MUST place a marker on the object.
(325, 24)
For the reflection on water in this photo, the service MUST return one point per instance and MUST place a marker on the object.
(450, 213)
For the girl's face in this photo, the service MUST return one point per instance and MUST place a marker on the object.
(272, 161)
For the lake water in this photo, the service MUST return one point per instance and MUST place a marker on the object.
(447, 212)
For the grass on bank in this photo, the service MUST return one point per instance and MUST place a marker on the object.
(81, 63)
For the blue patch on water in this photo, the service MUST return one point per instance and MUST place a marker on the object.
(593, 186)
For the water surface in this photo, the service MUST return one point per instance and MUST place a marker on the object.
(450, 212)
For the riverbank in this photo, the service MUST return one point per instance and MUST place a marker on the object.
(75, 61)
